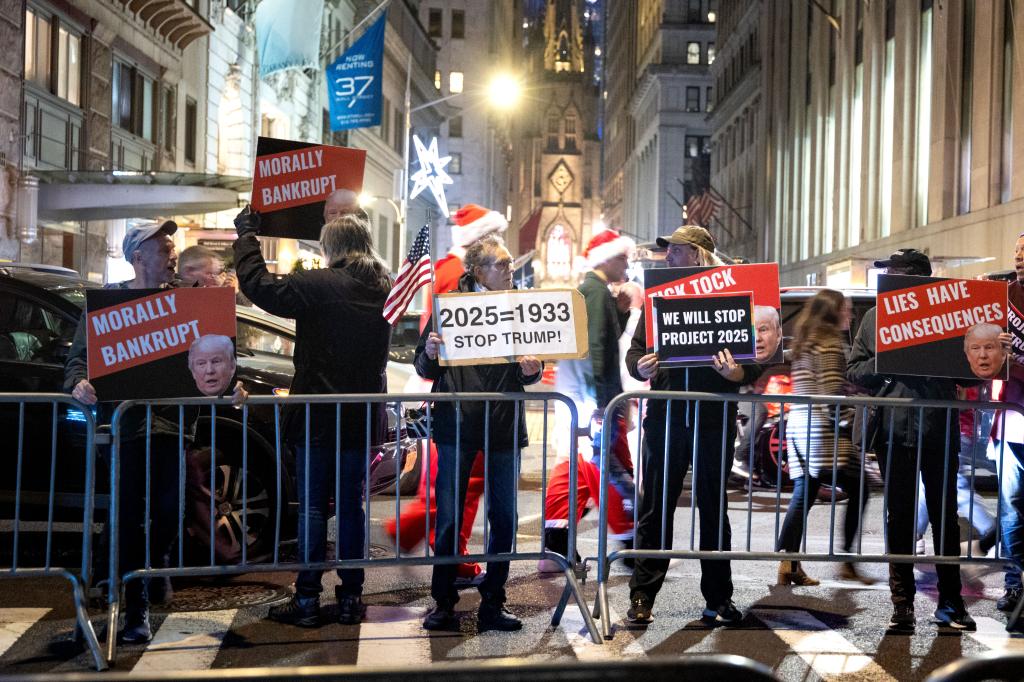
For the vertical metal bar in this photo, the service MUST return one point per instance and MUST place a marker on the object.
(664, 470)
(945, 485)
(305, 497)
(487, 470)
(750, 472)
(277, 458)
(639, 468)
(970, 497)
(835, 476)
(366, 483)
(885, 489)
(428, 484)
(544, 476)
(90, 490)
(602, 507)
(213, 482)
(337, 477)
(807, 473)
(181, 486)
(1000, 474)
(245, 483)
(778, 462)
(149, 482)
(694, 473)
(398, 478)
(722, 474)
(515, 482)
(457, 482)
(53, 483)
(17, 484)
(919, 481)
(602, 535)
(863, 465)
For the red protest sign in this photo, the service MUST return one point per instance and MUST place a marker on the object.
(138, 341)
(933, 326)
(292, 180)
(761, 280)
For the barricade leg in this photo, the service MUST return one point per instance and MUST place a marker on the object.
(85, 625)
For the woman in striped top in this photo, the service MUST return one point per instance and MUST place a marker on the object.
(819, 368)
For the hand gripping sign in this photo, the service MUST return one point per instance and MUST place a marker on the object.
(932, 326)
(495, 327)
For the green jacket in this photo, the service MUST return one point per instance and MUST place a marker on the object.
(604, 327)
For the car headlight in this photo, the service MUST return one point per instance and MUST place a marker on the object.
(283, 392)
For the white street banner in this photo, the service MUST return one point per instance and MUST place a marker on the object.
(493, 327)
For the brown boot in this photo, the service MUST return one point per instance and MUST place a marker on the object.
(790, 573)
(848, 571)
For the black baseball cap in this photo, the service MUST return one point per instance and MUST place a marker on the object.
(911, 260)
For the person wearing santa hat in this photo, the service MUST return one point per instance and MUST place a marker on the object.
(591, 383)
(472, 223)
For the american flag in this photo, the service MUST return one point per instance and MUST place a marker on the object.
(701, 208)
(414, 273)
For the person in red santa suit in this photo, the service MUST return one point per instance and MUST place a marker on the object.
(472, 223)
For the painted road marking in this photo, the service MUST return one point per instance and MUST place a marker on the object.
(993, 634)
(188, 640)
(394, 636)
(15, 622)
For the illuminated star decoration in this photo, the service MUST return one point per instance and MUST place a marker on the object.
(431, 174)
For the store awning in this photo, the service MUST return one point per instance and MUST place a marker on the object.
(528, 232)
(107, 195)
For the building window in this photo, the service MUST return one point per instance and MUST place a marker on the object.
(455, 165)
(692, 98)
(853, 226)
(553, 131)
(384, 129)
(924, 116)
(61, 76)
(437, 80)
(458, 23)
(1006, 171)
(966, 93)
(693, 11)
(455, 126)
(693, 53)
(709, 99)
(399, 127)
(134, 95)
(168, 119)
(434, 22)
(711, 53)
(191, 111)
(455, 82)
(382, 233)
(570, 133)
(888, 105)
(693, 146)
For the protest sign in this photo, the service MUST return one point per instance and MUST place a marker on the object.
(292, 180)
(937, 327)
(494, 327)
(761, 280)
(1015, 325)
(139, 340)
(692, 330)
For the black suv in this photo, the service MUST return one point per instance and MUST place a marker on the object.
(40, 307)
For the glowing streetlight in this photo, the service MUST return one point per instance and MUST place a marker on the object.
(504, 91)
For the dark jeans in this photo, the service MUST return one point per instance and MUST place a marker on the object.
(1011, 511)
(716, 574)
(807, 487)
(502, 474)
(899, 525)
(348, 512)
(163, 512)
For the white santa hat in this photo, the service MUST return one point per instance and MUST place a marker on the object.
(605, 245)
(473, 222)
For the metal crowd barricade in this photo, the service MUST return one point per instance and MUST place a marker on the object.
(990, 666)
(696, 404)
(42, 426)
(213, 407)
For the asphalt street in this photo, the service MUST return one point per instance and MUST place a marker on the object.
(837, 629)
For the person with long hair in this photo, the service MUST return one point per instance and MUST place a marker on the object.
(814, 448)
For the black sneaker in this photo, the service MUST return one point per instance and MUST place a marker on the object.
(442, 617)
(351, 609)
(493, 616)
(136, 626)
(301, 611)
(903, 619)
(725, 614)
(1008, 602)
(639, 609)
(953, 614)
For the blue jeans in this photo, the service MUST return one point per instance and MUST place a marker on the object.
(502, 474)
(1011, 511)
(792, 532)
(348, 510)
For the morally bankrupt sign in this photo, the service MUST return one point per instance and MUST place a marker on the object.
(160, 343)
(494, 327)
(759, 280)
(692, 330)
(292, 180)
(931, 326)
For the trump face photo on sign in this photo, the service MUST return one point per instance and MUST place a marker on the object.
(211, 359)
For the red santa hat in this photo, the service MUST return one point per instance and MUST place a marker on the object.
(473, 222)
(605, 245)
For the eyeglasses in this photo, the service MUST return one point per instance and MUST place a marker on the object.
(503, 265)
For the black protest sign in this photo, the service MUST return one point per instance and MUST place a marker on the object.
(692, 330)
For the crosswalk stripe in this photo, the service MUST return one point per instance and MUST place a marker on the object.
(993, 634)
(822, 648)
(188, 640)
(15, 622)
(578, 636)
(393, 636)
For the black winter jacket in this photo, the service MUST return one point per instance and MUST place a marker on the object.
(501, 378)
(341, 340)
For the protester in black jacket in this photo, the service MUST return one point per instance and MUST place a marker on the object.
(691, 432)
(488, 268)
(938, 432)
(341, 346)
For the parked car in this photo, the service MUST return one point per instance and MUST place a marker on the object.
(40, 307)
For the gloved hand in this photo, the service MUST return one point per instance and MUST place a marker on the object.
(247, 221)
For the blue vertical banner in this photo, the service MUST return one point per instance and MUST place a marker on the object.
(354, 81)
